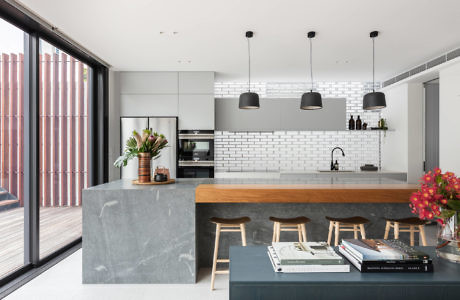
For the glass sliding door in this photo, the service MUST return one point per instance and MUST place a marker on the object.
(64, 93)
(11, 148)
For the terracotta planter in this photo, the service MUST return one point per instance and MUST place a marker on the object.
(144, 167)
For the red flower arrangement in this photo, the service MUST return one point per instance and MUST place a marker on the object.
(438, 197)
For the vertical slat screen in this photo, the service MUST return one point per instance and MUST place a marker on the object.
(64, 116)
(21, 131)
(64, 128)
(47, 132)
(13, 125)
(72, 132)
(4, 122)
(81, 137)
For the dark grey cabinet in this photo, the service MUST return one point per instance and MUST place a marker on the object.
(279, 114)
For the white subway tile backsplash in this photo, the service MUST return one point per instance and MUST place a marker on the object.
(297, 150)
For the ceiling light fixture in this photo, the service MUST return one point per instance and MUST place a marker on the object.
(374, 100)
(311, 100)
(249, 100)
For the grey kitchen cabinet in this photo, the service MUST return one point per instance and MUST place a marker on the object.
(196, 111)
(148, 82)
(230, 118)
(331, 117)
(149, 105)
(196, 82)
(279, 114)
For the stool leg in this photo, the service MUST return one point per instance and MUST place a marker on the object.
(396, 230)
(387, 231)
(329, 236)
(278, 231)
(243, 234)
(299, 231)
(214, 260)
(337, 229)
(412, 238)
(304, 232)
(363, 232)
(421, 233)
(274, 232)
(355, 231)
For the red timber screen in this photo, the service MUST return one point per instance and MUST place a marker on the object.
(63, 109)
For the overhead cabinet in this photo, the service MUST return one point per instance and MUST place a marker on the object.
(280, 114)
(196, 112)
(196, 83)
(148, 82)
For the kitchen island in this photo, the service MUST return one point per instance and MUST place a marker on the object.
(161, 233)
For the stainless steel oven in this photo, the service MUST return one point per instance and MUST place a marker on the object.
(196, 154)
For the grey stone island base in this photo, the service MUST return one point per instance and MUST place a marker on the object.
(139, 234)
(159, 234)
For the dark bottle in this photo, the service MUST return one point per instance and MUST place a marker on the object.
(358, 123)
(351, 124)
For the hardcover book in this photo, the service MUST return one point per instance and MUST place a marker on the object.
(310, 268)
(306, 253)
(387, 266)
(382, 250)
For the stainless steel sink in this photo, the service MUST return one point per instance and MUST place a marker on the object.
(335, 171)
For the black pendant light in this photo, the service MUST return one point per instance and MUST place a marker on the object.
(374, 100)
(311, 100)
(249, 100)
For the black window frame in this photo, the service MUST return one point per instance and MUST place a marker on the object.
(98, 122)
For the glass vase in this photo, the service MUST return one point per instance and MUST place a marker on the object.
(448, 246)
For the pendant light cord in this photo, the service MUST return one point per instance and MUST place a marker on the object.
(249, 65)
(311, 64)
(373, 64)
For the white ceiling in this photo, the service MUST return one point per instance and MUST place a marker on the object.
(211, 35)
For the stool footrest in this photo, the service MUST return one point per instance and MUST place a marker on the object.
(223, 260)
(222, 272)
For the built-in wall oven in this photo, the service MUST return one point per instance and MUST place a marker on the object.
(196, 154)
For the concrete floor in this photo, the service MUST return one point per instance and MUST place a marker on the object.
(63, 281)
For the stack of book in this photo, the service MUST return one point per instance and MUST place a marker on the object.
(288, 257)
(385, 256)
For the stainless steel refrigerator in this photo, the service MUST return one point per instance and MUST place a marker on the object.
(164, 125)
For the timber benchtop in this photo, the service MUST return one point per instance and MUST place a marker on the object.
(304, 193)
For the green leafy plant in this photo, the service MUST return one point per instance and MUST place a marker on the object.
(149, 142)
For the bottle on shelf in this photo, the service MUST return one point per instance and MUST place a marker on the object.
(358, 123)
(351, 123)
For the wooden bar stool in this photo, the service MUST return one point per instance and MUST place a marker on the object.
(346, 224)
(412, 225)
(226, 225)
(289, 224)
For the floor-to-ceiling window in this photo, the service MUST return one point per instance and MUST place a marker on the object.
(11, 148)
(53, 140)
(63, 157)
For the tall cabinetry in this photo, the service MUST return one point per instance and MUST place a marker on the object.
(188, 95)
(196, 100)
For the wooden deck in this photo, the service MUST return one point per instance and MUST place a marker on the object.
(58, 227)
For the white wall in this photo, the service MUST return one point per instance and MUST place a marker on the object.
(415, 145)
(449, 124)
(394, 144)
(402, 148)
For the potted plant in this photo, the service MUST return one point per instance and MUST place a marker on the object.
(439, 198)
(145, 147)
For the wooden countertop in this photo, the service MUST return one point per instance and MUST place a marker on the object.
(304, 193)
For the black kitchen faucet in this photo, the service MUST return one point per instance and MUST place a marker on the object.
(335, 167)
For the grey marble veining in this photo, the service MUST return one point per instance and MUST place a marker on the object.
(150, 234)
(139, 236)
